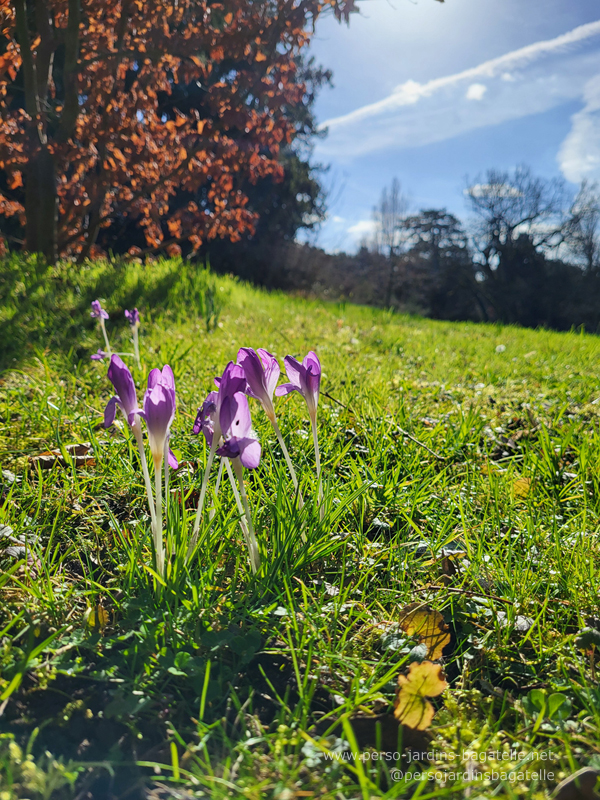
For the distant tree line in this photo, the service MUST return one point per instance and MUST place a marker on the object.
(529, 255)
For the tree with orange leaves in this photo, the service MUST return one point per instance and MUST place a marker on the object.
(87, 130)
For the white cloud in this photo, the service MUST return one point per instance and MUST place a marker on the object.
(362, 228)
(498, 190)
(476, 91)
(517, 84)
(579, 154)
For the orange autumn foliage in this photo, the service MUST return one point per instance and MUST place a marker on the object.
(84, 135)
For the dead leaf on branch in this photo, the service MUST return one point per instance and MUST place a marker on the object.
(411, 706)
(428, 625)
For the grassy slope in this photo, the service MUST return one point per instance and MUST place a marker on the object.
(313, 634)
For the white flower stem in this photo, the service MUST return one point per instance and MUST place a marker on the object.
(288, 460)
(166, 468)
(158, 537)
(136, 346)
(213, 510)
(211, 456)
(244, 509)
(313, 423)
(137, 432)
(106, 342)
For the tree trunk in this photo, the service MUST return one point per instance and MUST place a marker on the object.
(41, 205)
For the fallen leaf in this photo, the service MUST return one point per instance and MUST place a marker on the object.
(98, 618)
(521, 487)
(411, 706)
(428, 624)
(78, 455)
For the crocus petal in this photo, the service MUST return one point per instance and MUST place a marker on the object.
(286, 388)
(198, 422)
(168, 379)
(154, 377)
(249, 449)
(272, 369)
(110, 412)
(121, 378)
(173, 463)
(233, 380)
(313, 377)
(205, 418)
(132, 414)
(295, 371)
(234, 416)
(253, 372)
(159, 410)
(99, 355)
(229, 449)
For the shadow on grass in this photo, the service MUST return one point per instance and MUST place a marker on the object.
(48, 308)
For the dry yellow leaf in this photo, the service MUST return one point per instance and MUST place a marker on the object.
(98, 618)
(411, 706)
(428, 624)
(522, 487)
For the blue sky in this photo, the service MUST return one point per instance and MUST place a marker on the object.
(432, 93)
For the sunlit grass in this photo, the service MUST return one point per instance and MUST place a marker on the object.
(233, 684)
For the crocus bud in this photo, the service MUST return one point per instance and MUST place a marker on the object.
(97, 311)
(262, 373)
(304, 378)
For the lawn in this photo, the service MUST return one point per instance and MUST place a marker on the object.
(460, 479)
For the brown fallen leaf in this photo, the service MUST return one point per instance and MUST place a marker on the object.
(428, 624)
(78, 453)
(579, 786)
(411, 706)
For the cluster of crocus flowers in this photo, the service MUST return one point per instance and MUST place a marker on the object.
(224, 419)
(132, 317)
(158, 412)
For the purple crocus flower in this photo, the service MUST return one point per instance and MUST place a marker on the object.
(304, 378)
(262, 373)
(126, 399)
(236, 427)
(99, 356)
(97, 311)
(206, 417)
(133, 317)
(233, 380)
(159, 412)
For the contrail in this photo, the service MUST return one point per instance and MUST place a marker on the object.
(411, 92)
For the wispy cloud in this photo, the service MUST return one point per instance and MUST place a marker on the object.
(579, 155)
(516, 84)
(411, 92)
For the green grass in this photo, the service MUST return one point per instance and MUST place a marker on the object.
(460, 466)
